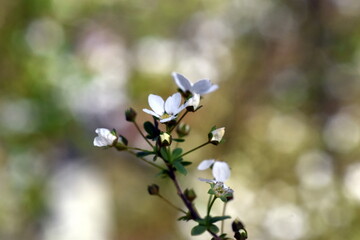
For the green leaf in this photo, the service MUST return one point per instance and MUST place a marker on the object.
(178, 165)
(176, 153)
(213, 228)
(164, 153)
(197, 230)
(143, 154)
(185, 218)
(178, 139)
(152, 131)
(219, 218)
(149, 128)
(201, 221)
(163, 173)
(186, 163)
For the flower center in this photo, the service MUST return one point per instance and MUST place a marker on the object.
(165, 115)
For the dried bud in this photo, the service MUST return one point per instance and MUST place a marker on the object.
(183, 129)
(165, 139)
(215, 136)
(190, 194)
(130, 115)
(153, 189)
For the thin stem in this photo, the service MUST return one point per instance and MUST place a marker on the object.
(202, 145)
(178, 121)
(193, 212)
(210, 206)
(139, 149)
(148, 162)
(138, 128)
(222, 221)
(171, 204)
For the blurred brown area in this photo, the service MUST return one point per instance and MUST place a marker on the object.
(289, 96)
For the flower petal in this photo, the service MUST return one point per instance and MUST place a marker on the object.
(172, 104)
(182, 82)
(194, 101)
(203, 86)
(211, 89)
(104, 138)
(156, 103)
(205, 164)
(207, 180)
(100, 142)
(168, 119)
(221, 171)
(151, 112)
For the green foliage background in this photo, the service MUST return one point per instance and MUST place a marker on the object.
(289, 96)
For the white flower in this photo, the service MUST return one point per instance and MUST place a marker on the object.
(200, 87)
(193, 102)
(165, 111)
(221, 190)
(105, 138)
(220, 170)
(217, 135)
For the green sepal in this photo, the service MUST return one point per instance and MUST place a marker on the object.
(223, 198)
(211, 191)
(197, 230)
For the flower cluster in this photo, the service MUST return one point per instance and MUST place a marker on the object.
(160, 135)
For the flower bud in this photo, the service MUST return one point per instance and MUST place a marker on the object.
(237, 225)
(165, 139)
(193, 103)
(121, 143)
(215, 136)
(183, 129)
(190, 194)
(105, 138)
(241, 235)
(229, 196)
(153, 189)
(130, 115)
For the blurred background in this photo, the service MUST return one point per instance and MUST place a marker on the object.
(289, 96)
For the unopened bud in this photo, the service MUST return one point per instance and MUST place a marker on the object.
(193, 103)
(241, 235)
(215, 136)
(190, 194)
(183, 129)
(237, 225)
(121, 143)
(229, 196)
(165, 139)
(153, 189)
(130, 115)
